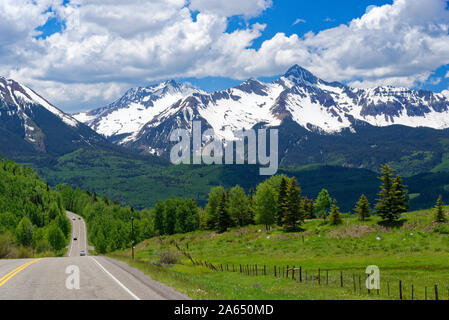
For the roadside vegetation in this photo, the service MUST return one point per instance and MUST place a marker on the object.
(32, 216)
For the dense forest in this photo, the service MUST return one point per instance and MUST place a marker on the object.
(32, 216)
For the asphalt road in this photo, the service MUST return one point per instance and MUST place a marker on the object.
(78, 277)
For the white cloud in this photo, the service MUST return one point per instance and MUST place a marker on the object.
(248, 8)
(299, 20)
(447, 75)
(110, 46)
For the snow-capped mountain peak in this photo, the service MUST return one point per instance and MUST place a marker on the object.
(127, 115)
(144, 117)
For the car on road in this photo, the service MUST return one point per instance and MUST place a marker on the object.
(82, 253)
(75, 238)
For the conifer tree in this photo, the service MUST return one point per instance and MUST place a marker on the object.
(400, 198)
(362, 208)
(251, 207)
(335, 215)
(223, 217)
(293, 211)
(439, 210)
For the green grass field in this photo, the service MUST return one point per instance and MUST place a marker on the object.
(416, 252)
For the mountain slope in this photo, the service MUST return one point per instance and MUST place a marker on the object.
(122, 119)
(314, 109)
(29, 124)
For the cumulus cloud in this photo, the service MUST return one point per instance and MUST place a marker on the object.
(108, 47)
(247, 8)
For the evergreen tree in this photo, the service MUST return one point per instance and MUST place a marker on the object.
(282, 200)
(159, 213)
(251, 207)
(293, 212)
(223, 218)
(335, 215)
(323, 203)
(439, 210)
(170, 216)
(400, 198)
(212, 205)
(362, 208)
(392, 198)
(309, 208)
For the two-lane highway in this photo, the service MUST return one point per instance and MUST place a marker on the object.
(78, 241)
(98, 277)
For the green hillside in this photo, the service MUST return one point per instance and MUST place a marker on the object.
(141, 181)
(32, 216)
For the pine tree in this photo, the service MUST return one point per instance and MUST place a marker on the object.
(439, 211)
(293, 211)
(362, 208)
(251, 207)
(309, 208)
(335, 215)
(391, 202)
(223, 217)
(282, 198)
(400, 198)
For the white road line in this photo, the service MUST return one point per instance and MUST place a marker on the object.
(115, 279)
(71, 240)
(85, 238)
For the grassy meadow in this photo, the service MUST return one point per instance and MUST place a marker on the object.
(415, 251)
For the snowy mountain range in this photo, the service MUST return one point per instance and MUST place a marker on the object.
(29, 123)
(144, 117)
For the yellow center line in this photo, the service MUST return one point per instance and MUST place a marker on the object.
(11, 274)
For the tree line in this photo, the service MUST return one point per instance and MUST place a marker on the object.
(277, 201)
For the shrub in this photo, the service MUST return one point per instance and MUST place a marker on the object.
(168, 257)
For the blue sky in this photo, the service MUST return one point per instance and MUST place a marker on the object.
(82, 54)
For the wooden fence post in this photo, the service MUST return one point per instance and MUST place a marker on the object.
(341, 278)
(413, 291)
(287, 271)
(436, 292)
(425, 293)
(275, 274)
(293, 273)
(319, 276)
(360, 284)
(353, 279)
(300, 274)
(327, 277)
(264, 270)
(400, 289)
(388, 287)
